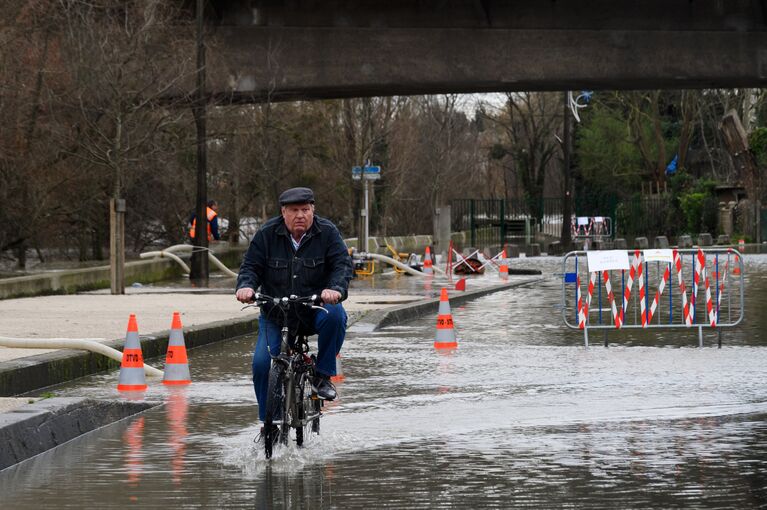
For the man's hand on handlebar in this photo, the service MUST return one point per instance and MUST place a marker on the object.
(330, 296)
(248, 295)
(245, 295)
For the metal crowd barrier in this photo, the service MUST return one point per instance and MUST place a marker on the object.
(671, 289)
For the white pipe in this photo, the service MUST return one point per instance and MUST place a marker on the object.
(85, 344)
(180, 247)
(187, 247)
(221, 265)
(396, 263)
(165, 253)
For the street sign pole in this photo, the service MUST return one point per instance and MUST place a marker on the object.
(366, 174)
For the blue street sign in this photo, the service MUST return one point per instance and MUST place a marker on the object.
(570, 277)
(368, 172)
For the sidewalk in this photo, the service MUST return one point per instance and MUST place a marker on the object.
(105, 316)
(208, 315)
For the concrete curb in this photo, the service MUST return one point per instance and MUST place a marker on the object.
(395, 315)
(30, 430)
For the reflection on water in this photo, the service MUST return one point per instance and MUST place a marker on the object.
(177, 408)
(518, 415)
(133, 438)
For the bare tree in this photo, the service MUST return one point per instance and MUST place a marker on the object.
(123, 58)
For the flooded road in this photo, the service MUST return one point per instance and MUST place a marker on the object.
(519, 415)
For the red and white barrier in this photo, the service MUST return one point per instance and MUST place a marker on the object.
(658, 294)
(583, 308)
(630, 283)
(721, 291)
(701, 269)
(636, 271)
(642, 304)
(682, 289)
(617, 319)
(581, 313)
(698, 277)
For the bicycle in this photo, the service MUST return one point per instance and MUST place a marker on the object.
(291, 400)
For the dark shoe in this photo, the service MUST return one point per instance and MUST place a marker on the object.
(324, 387)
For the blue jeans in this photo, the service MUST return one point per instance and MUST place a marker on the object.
(331, 330)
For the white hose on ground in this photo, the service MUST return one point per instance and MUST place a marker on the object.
(391, 261)
(221, 266)
(167, 252)
(84, 344)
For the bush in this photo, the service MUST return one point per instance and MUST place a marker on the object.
(692, 205)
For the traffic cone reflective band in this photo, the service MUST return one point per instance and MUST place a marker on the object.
(339, 370)
(445, 332)
(427, 263)
(132, 376)
(176, 363)
(504, 269)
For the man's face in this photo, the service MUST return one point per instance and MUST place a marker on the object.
(298, 217)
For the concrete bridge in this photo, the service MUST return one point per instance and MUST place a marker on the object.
(310, 49)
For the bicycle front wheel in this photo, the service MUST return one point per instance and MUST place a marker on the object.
(275, 408)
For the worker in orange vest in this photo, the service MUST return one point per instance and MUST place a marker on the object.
(212, 213)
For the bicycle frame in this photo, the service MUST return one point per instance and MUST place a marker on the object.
(294, 358)
(289, 404)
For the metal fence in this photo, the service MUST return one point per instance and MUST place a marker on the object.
(647, 216)
(653, 291)
(493, 222)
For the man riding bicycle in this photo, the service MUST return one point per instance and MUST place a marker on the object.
(299, 254)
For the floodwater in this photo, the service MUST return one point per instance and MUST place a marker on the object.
(520, 415)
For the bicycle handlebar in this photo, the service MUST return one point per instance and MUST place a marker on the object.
(309, 301)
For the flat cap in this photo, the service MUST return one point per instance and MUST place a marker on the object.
(297, 196)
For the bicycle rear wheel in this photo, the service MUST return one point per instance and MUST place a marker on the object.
(275, 408)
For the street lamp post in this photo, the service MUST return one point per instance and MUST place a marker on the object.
(200, 269)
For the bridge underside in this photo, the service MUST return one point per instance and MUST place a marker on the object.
(284, 50)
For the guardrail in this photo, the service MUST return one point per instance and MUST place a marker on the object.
(653, 290)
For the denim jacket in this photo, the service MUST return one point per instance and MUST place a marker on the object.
(322, 261)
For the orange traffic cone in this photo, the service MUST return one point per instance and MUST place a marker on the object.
(445, 332)
(132, 376)
(736, 269)
(339, 370)
(504, 269)
(427, 263)
(176, 363)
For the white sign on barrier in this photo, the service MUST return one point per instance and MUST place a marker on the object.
(607, 260)
(659, 256)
